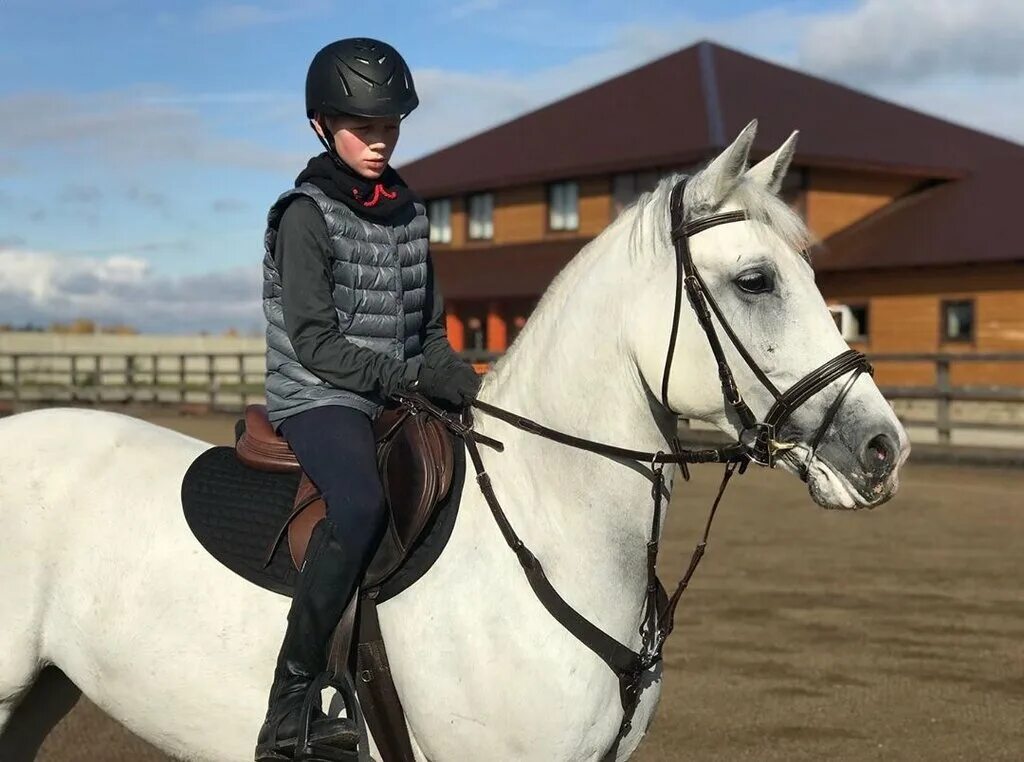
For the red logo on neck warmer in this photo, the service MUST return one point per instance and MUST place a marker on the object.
(378, 191)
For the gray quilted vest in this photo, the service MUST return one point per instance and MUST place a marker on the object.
(379, 275)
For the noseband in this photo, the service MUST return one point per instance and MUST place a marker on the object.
(659, 609)
(765, 446)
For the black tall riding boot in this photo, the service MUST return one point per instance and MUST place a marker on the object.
(326, 582)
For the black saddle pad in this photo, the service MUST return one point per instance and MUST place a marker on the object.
(236, 511)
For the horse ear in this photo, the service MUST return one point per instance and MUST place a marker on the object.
(728, 167)
(771, 170)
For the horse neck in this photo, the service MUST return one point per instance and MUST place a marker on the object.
(587, 517)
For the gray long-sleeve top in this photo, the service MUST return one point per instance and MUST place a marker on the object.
(302, 255)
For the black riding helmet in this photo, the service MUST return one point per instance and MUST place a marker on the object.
(362, 77)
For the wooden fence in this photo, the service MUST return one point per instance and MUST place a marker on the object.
(228, 381)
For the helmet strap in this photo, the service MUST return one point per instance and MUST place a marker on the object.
(329, 145)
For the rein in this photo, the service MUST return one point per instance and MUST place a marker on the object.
(659, 608)
(659, 615)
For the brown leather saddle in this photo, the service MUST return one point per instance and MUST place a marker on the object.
(415, 462)
(415, 459)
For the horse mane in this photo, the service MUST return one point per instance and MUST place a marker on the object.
(647, 220)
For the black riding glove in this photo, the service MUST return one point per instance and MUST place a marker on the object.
(470, 380)
(450, 387)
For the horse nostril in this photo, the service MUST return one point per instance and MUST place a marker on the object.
(879, 452)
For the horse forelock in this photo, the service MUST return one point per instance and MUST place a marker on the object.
(648, 216)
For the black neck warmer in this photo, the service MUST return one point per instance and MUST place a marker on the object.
(377, 200)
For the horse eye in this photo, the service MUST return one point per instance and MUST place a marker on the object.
(755, 282)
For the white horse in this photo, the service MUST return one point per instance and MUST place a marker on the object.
(102, 577)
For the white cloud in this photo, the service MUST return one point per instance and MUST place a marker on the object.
(43, 287)
(843, 46)
(913, 40)
(125, 130)
(455, 105)
(9, 165)
(238, 98)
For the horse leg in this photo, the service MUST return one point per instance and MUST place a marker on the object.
(30, 717)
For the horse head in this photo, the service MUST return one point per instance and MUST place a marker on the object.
(810, 407)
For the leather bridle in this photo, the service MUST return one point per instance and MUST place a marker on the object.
(765, 446)
(659, 609)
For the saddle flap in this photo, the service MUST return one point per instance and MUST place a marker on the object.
(416, 465)
(261, 447)
(415, 460)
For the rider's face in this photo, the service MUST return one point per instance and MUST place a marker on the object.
(365, 143)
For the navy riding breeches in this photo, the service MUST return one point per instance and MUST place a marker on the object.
(336, 447)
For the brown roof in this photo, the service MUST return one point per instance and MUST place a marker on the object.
(958, 222)
(509, 270)
(685, 106)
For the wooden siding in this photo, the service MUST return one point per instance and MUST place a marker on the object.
(904, 304)
(459, 222)
(521, 214)
(835, 200)
(904, 316)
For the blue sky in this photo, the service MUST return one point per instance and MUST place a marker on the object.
(141, 143)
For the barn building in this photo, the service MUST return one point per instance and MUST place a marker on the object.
(916, 216)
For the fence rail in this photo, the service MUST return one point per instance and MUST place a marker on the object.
(230, 380)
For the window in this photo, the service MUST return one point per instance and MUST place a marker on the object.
(957, 320)
(623, 192)
(851, 320)
(793, 191)
(481, 215)
(439, 213)
(859, 314)
(627, 187)
(564, 206)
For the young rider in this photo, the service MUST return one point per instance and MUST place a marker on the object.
(354, 314)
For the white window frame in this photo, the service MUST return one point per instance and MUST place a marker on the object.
(564, 205)
(439, 214)
(480, 214)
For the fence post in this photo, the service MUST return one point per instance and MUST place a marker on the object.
(130, 378)
(211, 361)
(241, 380)
(73, 390)
(181, 377)
(16, 377)
(155, 364)
(942, 417)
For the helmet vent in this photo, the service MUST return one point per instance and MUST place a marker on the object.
(363, 77)
(341, 78)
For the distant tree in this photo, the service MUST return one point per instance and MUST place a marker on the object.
(82, 325)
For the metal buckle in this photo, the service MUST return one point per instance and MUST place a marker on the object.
(765, 446)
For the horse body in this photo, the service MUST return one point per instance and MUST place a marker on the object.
(181, 650)
(110, 585)
(130, 607)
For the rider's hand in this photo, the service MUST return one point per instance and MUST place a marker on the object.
(452, 386)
